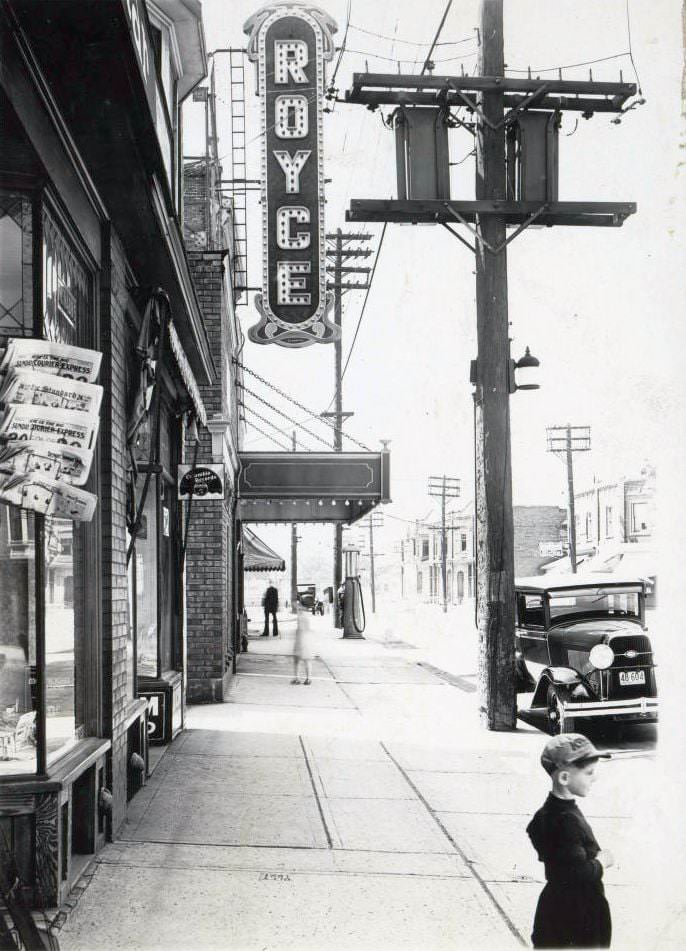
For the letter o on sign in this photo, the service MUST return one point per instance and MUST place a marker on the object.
(290, 117)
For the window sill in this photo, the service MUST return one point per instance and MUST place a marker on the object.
(64, 772)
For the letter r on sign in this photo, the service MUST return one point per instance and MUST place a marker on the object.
(290, 58)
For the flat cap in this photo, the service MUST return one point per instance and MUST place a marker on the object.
(568, 749)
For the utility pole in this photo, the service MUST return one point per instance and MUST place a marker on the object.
(444, 487)
(294, 556)
(494, 519)
(531, 196)
(339, 253)
(564, 441)
(375, 521)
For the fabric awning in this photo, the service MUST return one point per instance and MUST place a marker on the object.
(258, 556)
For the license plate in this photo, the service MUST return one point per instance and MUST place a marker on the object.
(628, 678)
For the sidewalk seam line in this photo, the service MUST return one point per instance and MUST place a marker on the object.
(470, 864)
(316, 795)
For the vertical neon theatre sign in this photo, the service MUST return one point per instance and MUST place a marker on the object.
(290, 43)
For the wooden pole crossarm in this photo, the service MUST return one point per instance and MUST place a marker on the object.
(395, 97)
(515, 213)
(507, 84)
(362, 253)
(349, 270)
(348, 287)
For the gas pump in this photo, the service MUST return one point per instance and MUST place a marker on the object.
(350, 593)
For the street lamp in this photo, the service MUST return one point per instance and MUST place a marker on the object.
(527, 362)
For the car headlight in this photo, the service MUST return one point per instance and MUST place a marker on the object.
(601, 656)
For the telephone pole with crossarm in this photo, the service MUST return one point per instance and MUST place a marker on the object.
(516, 123)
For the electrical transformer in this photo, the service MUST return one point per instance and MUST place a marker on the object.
(421, 148)
(533, 157)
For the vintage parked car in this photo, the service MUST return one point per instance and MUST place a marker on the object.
(581, 645)
(307, 598)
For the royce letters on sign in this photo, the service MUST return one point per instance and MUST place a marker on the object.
(290, 43)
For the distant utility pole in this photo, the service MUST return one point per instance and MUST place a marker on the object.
(375, 520)
(338, 251)
(444, 487)
(565, 440)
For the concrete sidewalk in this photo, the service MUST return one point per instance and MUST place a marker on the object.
(366, 811)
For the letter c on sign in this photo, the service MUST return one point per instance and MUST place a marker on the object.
(284, 238)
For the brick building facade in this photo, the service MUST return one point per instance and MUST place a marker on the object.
(92, 643)
(211, 564)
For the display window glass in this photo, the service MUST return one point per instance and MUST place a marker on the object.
(45, 290)
(145, 560)
(66, 307)
(17, 642)
(130, 632)
(18, 750)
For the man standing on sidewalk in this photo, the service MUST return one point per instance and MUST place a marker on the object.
(270, 603)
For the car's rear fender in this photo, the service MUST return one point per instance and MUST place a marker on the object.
(564, 678)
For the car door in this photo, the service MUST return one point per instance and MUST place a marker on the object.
(531, 634)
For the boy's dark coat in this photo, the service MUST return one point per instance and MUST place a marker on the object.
(572, 910)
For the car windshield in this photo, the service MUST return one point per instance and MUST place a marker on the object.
(616, 602)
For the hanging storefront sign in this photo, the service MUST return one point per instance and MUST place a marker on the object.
(204, 482)
(290, 43)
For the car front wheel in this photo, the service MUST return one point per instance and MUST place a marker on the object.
(557, 721)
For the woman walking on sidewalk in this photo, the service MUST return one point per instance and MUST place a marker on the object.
(303, 649)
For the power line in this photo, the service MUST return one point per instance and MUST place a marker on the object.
(381, 36)
(405, 62)
(266, 435)
(291, 399)
(555, 69)
(275, 409)
(342, 49)
(366, 298)
(269, 423)
(631, 54)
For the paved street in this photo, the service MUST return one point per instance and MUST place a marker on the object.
(366, 811)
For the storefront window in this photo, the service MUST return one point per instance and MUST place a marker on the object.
(17, 538)
(17, 642)
(146, 583)
(60, 637)
(130, 639)
(16, 282)
(66, 305)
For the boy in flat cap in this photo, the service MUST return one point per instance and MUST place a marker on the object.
(572, 910)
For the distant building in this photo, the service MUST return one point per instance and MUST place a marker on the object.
(611, 513)
(540, 531)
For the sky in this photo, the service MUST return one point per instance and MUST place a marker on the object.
(602, 309)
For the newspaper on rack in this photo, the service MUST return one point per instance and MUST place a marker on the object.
(47, 460)
(57, 359)
(45, 389)
(43, 424)
(47, 497)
